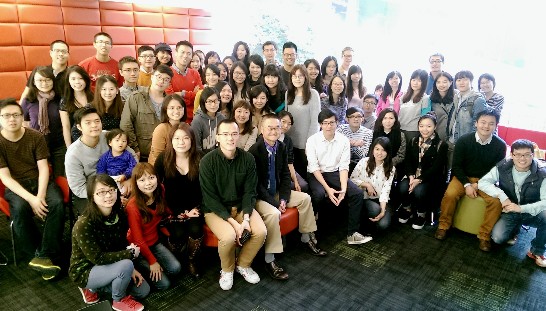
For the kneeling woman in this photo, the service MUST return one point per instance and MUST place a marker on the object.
(101, 259)
(426, 161)
(144, 211)
(374, 175)
(178, 170)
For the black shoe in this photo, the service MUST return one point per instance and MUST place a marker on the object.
(276, 271)
(315, 250)
(404, 214)
(418, 222)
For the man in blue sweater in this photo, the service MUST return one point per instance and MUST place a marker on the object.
(475, 154)
(518, 184)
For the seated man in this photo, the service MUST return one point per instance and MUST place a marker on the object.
(475, 154)
(83, 154)
(29, 191)
(518, 183)
(228, 181)
(328, 156)
(274, 195)
(359, 136)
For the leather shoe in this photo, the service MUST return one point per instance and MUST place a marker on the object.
(440, 234)
(276, 271)
(485, 245)
(315, 250)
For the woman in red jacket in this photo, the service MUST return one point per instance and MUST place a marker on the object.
(145, 210)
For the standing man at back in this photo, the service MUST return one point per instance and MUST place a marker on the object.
(101, 63)
(436, 61)
(347, 59)
(289, 56)
(185, 81)
(269, 49)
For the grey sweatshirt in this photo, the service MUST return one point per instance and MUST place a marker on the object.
(204, 128)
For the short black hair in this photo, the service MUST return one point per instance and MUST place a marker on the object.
(9, 102)
(126, 59)
(522, 144)
(164, 69)
(102, 33)
(82, 112)
(326, 114)
(289, 45)
(370, 96)
(144, 48)
(184, 42)
(488, 112)
(59, 41)
(269, 43)
(284, 113)
(110, 135)
(225, 121)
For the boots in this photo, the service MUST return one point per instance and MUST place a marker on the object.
(194, 247)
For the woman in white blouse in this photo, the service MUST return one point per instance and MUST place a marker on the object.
(374, 174)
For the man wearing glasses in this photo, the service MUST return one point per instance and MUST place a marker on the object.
(518, 184)
(328, 156)
(368, 119)
(101, 63)
(29, 191)
(185, 81)
(146, 59)
(359, 136)
(436, 61)
(475, 154)
(289, 56)
(347, 59)
(142, 112)
(59, 52)
(129, 70)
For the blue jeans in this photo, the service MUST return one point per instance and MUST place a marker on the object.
(167, 261)
(509, 223)
(373, 209)
(115, 278)
(27, 235)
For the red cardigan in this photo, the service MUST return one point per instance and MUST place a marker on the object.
(143, 234)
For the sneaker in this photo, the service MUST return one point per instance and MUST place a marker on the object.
(127, 303)
(358, 238)
(419, 222)
(250, 275)
(45, 266)
(88, 296)
(226, 280)
(512, 241)
(404, 214)
(539, 260)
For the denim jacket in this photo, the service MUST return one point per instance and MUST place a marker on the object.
(465, 115)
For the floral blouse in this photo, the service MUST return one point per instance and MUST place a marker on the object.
(379, 181)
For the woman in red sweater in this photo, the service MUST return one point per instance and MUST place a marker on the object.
(144, 211)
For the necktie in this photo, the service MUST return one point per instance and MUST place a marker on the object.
(272, 180)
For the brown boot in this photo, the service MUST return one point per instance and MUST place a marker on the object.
(194, 247)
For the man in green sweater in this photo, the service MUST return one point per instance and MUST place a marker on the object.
(228, 182)
(475, 154)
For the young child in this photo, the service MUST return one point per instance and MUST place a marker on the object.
(298, 183)
(117, 162)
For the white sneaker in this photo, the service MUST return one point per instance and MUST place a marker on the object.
(358, 238)
(226, 280)
(250, 275)
(512, 241)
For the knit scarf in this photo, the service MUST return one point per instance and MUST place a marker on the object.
(43, 118)
(423, 147)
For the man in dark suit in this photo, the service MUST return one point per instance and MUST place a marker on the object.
(275, 196)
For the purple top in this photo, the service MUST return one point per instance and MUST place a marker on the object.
(30, 112)
(115, 166)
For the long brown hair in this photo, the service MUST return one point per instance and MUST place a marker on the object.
(140, 198)
(169, 155)
(291, 93)
(117, 105)
(387, 163)
(68, 95)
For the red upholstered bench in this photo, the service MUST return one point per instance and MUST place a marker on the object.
(289, 222)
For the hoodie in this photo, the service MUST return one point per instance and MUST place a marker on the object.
(204, 128)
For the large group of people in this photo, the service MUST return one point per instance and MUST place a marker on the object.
(156, 146)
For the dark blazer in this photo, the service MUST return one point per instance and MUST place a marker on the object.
(433, 163)
(259, 151)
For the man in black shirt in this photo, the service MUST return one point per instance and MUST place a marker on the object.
(475, 154)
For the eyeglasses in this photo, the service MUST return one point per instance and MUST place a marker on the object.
(238, 74)
(56, 51)
(212, 101)
(273, 128)
(329, 123)
(162, 79)
(42, 81)
(298, 77)
(289, 54)
(226, 135)
(522, 156)
(147, 56)
(435, 61)
(103, 42)
(103, 193)
(369, 103)
(355, 117)
(7, 116)
(134, 70)
(348, 56)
